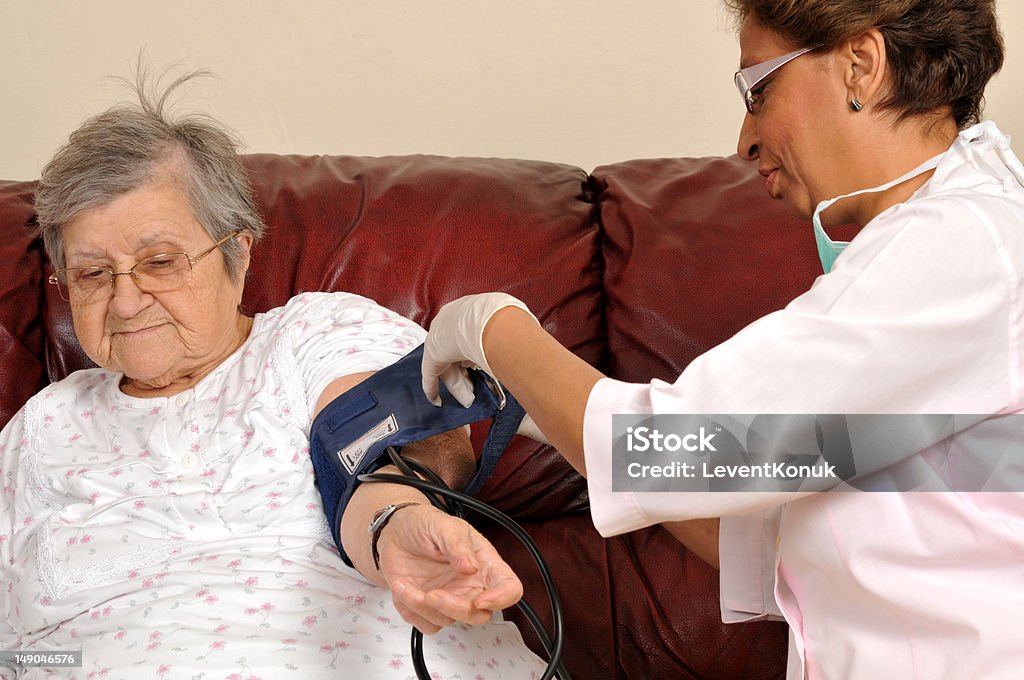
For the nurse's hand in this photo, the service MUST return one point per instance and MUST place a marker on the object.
(441, 570)
(455, 343)
(528, 428)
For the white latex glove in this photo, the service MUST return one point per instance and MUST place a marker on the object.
(455, 343)
(528, 428)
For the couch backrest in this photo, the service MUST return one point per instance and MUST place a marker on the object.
(22, 350)
(694, 250)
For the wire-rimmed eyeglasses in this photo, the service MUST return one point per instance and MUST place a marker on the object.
(159, 273)
(749, 78)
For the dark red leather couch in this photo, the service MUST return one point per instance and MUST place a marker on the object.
(637, 267)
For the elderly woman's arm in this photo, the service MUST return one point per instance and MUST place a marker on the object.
(439, 569)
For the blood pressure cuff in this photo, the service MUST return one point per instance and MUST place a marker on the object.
(350, 436)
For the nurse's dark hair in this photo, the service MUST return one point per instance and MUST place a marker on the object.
(941, 53)
(134, 145)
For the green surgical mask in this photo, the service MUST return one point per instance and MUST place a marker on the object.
(829, 250)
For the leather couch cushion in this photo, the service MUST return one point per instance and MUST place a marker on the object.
(413, 232)
(21, 300)
(695, 250)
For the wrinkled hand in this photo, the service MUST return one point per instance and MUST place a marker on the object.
(441, 570)
(455, 343)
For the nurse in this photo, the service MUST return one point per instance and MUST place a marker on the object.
(855, 112)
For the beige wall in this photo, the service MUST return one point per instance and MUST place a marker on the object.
(579, 81)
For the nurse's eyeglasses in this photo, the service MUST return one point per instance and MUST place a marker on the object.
(747, 80)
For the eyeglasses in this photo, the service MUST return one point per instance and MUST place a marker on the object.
(749, 78)
(156, 274)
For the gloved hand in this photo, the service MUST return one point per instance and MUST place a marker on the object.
(455, 343)
(528, 428)
(442, 570)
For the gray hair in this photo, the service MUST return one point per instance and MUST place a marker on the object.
(131, 146)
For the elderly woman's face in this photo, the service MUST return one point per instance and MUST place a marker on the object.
(163, 339)
(793, 135)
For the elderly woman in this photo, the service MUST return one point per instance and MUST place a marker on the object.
(161, 509)
(862, 112)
